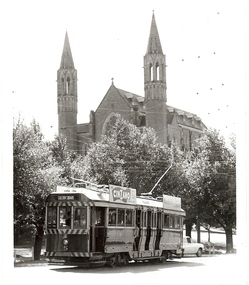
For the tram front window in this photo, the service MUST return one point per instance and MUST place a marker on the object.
(79, 218)
(51, 217)
(65, 217)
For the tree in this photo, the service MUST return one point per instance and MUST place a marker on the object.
(212, 176)
(63, 157)
(35, 175)
(126, 156)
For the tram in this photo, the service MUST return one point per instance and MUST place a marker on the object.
(89, 224)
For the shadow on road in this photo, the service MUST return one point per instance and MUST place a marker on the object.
(133, 267)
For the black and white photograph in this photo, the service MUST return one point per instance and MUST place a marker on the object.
(124, 142)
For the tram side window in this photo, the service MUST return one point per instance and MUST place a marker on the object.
(79, 218)
(112, 217)
(121, 217)
(65, 217)
(154, 220)
(100, 216)
(144, 218)
(129, 218)
(51, 217)
(171, 222)
(166, 221)
(177, 222)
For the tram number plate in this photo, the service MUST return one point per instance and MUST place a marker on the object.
(65, 198)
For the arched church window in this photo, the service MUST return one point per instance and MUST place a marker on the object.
(111, 127)
(67, 85)
(62, 85)
(111, 121)
(190, 140)
(157, 71)
(150, 72)
(182, 144)
(85, 149)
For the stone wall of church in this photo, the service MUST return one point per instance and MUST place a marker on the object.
(183, 137)
(112, 103)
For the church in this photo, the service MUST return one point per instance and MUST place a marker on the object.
(151, 110)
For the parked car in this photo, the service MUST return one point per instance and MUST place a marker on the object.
(190, 247)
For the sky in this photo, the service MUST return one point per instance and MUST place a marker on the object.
(204, 44)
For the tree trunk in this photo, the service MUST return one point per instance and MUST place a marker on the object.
(188, 228)
(38, 242)
(198, 229)
(229, 240)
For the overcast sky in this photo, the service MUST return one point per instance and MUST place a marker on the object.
(203, 42)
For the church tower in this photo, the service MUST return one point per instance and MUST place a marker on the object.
(155, 85)
(67, 97)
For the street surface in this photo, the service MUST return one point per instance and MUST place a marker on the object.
(209, 269)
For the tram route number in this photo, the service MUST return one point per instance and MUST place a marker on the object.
(65, 198)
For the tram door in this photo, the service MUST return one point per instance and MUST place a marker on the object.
(98, 229)
(158, 230)
(138, 229)
(148, 230)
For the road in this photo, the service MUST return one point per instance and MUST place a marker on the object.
(210, 269)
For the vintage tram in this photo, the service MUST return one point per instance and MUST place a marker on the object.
(98, 224)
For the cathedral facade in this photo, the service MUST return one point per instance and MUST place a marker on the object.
(151, 110)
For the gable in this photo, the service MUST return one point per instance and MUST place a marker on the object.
(113, 102)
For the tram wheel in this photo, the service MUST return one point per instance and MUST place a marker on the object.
(164, 257)
(182, 254)
(125, 259)
(112, 261)
(119, 260)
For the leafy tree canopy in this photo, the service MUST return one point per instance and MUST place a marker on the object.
(126, 156)
(35, 172)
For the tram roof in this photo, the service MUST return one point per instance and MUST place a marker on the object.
(118, 195)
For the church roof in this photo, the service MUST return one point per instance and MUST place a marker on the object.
(133, 99)
(66, 58)
(154, 44)
(183, 118)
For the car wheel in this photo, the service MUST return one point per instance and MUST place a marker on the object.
(199, 252)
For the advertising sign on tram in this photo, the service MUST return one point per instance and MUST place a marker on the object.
(171, 203)
(122, 195)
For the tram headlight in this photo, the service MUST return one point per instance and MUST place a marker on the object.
(65, 242)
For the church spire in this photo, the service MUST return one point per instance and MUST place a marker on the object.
(154, 44)
(67, 97)
(66, 58)
(155, 85)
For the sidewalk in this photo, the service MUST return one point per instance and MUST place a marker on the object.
(25, 262)
(24, 257)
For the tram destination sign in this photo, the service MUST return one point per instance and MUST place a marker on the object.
(122, 195)
(64, 197)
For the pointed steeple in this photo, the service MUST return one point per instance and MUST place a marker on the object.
(67, 98)
(66, 58)
(155, 97)
(154, 44)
